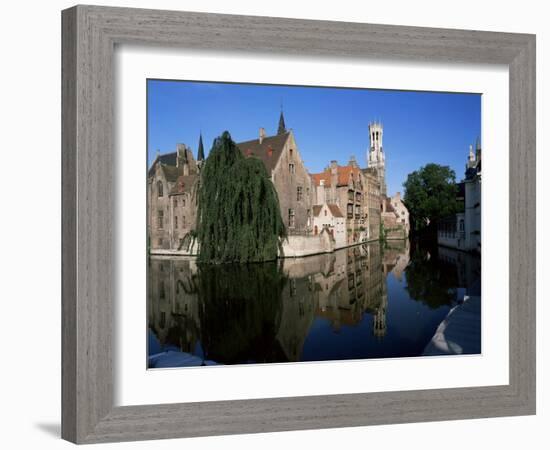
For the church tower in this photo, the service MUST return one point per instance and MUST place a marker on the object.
(376, 157)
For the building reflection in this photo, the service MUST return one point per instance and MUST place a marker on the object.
(264, 312)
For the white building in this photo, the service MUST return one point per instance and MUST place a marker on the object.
(463, 230)
(329, 217)
(472, 201)
(401, 211)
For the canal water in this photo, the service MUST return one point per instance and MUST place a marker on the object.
(368, 301)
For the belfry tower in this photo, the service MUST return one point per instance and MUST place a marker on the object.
(375, 156)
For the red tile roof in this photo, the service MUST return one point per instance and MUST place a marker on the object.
(343, 176)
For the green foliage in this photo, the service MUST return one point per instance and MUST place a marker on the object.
(430, 195)
(430, 280)
(238, 218)
(240, 311)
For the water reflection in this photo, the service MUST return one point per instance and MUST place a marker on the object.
(362, 302)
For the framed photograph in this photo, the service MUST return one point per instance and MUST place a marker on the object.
(267, 222)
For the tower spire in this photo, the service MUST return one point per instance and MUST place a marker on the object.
(200, 152)
(282, 126)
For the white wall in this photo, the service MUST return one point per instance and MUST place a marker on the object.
(30, 136)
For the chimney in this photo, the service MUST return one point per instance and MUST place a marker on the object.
(262, 134)
(321, 192)
(352, 161)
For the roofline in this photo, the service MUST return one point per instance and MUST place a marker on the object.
(279, 160)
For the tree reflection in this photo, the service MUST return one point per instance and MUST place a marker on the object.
(431, 280)
(240, 311)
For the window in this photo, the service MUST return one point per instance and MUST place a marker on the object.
(183, 221)
(291, 153)
(299, 193)
(160, 219)
(160, 242)
(358, 197)
(291, 218)
(162, 293)
(160, 189)
(325, 212)
(350, 211)
(183, 201)
(291, 168)
(350, 196)
(176, 222)
(175, 203)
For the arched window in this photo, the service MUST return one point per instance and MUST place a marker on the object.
(160, 188)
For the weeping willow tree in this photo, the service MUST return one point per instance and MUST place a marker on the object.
(238, 218)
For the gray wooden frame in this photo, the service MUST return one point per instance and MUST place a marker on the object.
(88, 153)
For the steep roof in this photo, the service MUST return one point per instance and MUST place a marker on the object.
(343, 175)
(333, 208)
(167, 158)
(268, 151)
(184, 183)
(171, 173)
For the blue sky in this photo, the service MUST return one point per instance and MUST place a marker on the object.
(328, 123)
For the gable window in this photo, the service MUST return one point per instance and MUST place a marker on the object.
(291, 168)
(291, 218)
(299, 193)
(160, 219)
(160, 189)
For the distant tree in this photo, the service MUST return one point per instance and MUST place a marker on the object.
(239, 219)
(430, 195)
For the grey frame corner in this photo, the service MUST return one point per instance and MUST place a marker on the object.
(89, 35)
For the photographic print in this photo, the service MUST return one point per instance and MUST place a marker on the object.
(300, 224)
